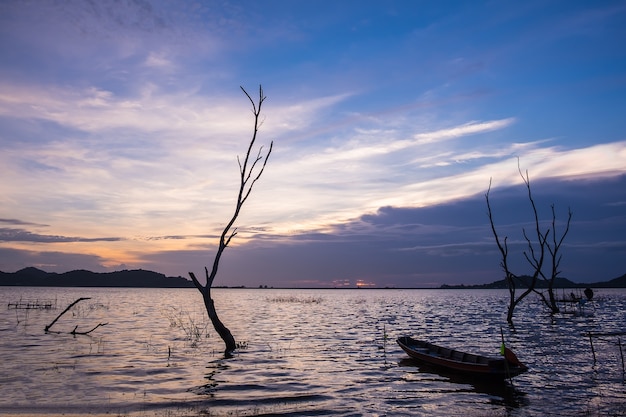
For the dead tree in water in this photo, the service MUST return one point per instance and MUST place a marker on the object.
(556, 261)
(535, 256)
(250, 171)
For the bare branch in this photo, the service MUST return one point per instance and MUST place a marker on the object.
(504, 251)
(540, 237)
(47, 328)
(259, 173)
(503, 248)
(195, 281)
(74, 332)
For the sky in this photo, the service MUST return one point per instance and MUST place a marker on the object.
(121, 123)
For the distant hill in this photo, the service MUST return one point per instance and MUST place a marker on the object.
(619, 282)
(81, 278)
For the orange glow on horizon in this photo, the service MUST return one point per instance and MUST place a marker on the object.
(360, 283)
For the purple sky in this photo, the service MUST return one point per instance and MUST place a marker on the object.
(121, 123)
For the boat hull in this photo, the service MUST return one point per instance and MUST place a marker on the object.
(461, 362)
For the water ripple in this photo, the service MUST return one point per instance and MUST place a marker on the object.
(309, 352)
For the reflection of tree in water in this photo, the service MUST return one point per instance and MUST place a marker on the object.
(210, 385)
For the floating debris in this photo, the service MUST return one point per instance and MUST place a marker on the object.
(33, 305)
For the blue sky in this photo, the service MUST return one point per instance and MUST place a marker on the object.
(121, 123)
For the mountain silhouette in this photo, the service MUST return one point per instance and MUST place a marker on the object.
(619, 282)
(82, 278)
(33, 277)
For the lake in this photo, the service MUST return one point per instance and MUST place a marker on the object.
(304, 352)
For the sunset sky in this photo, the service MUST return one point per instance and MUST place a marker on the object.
(121, 123)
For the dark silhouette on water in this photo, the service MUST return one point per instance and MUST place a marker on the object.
(537, 252)
(479, 366)
(250, 171)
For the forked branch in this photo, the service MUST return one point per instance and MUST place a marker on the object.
(74, 332)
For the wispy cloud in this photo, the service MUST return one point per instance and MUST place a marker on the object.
(388, 142)
(17, 222)
(355, 175)
(21, 235)
(184, 114)
(466, 129)
(94, 109)
(348, 192)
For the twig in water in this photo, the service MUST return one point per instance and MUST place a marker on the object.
(47, 328)
(74, 332)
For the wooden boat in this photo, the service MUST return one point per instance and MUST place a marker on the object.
(461, 362)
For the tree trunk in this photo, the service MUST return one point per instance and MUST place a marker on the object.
(220, 328)
(509, 314)
(553, 304)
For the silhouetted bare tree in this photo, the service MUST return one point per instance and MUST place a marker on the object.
(535, 255)
(250, 171)
(512, 279)
(555, 257)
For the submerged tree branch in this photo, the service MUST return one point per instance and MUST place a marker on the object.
(47, 328)
(74, 332)
(88, 331)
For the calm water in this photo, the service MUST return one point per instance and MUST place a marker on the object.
(307, 352)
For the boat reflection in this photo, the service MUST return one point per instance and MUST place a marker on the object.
(499, 392)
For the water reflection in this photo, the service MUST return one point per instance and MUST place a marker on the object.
(502, 393)
(323, 352)
(211, 383)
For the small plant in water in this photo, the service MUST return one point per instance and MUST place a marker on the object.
(194, 331)
(295, 299)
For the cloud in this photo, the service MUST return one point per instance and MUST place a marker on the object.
(361, 185)
(94, 109)
(387, 143)
(466, 129)
(18, 222)
(125, 119)
(109, 152)
(12, 260)
(184, 115)
(181, 237)
(160, 60)
(449, 242)
(121, 31)
(604, 159)
(147, 155)
(21, 235)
